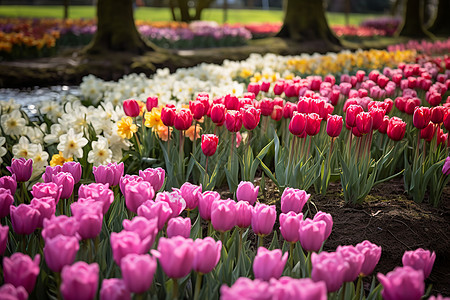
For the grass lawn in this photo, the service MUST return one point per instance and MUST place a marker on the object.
(163, 14)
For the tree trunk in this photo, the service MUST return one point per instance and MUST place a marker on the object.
(116, 30)
(172, 10)
(201, 5)
(66, 9)
(441, 24)
(184, 11)
(305, 20)
(413, 21)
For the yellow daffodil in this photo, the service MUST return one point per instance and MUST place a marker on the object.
(59, 159)
(126, 128)
(153, 118)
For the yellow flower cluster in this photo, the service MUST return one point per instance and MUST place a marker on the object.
(9, 40)
(59, 159)
(153, 120)
(350, 61)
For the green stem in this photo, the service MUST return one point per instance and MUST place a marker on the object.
(58, 284)
(291, 255)
(308, 264)
(222, 238)
(175, 289)
(241, 231)
(344, 286)
(188, 213)
(260, 241)
(358, 286)
(210, 229)
(194, 143)
(198, 285)
(205, 179)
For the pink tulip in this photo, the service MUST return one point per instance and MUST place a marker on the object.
(354, 258)
(138, 271)
(293, 200)
(73, 168)
(312, 234)
(21, 270)
(60, 251)
(124, 243)
(124, 180)
(179, 227)
(330, 268)
(114, 289)
(244, 212)
(328, 219)
(147, 229)
(175, 256)
(97, 192)
(404, 283)
(372, 254)
(439, 297)
(60, 225)
(65, 181)
(50, 172)
(245, 288)
(110, 173)
(269, 264)
(420, 259)
(175, 201)
(4, 231)
(246, 191)
(290, 225)
(299, 289)
(49, 189)
(10, 292)
(137, 193)
(190, 193)
(206, 254)
(89, 215)
(79, 281)
(446, 166)
(10, 183)
(205, 201)
(160, 210)
(21, 168)
(46, 207)
(223, 215)
(24, 218)
(154, 176)
(6, 200)
(263, 218)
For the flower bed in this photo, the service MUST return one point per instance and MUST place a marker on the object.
(97, 160)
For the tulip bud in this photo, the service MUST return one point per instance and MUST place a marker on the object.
(364, 122)
(420, 259)
(209, 144)
(263, 219)
(396, 129)
(246, 191)
(269, 264)
(175, 256)
(168, 114)
(183, 119)
(254, 87)
(114, 289)
(60, 251)
(233, 120)
(10, 183)
(244, 213)
(354, 258)
(330, 268)
(131, 108)
(24, 218)
(137, 272)
(290, 225)
(223, 215)
(334, 125)
(6, 200)
(155, 210)
(250, 117)
(351, 114)
(79, 281)
(404, 283)
(20, 270)
(297, 125)
(154, 176)
(21, 168)
(421, 117)
(372, 254)
(179, 227)
(206, 254)
(217, 114)
(151, 102)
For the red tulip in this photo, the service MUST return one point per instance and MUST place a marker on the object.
(427, 133)
(254, 88)
(277, 113)
(446, 120)
(265, 85)
(421, 117)
(396, 129)
(168, 114)
(288, 110)
(152, 101)
(266, 106)
(209, 144)
(231, 102)
(250, 117)
(131, 108)
(334, 125)
(377, 114)
(183, 119)
(437, 114)
(218, 114)
(198, 109)
(351, 113)
(298, 124)
(233, 120)
(384, 125)
(313, 124)
(278, 88)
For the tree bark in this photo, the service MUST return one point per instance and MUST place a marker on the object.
(201, 5)
(66, 9)
(184, 11)
(116, 30)
(305, 20)
(441, 24)
(413, 21)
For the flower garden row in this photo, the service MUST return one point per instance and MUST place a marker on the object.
(257, 114)
(20, 38)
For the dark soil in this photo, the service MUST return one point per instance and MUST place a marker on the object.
(390, 220)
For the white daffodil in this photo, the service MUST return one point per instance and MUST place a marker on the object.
(40, 159)
(24, 148)
(9, 106)
(71, 144)
(2, 149)
(35, 134)
(100, 153)
(56, 130)
(13, 123)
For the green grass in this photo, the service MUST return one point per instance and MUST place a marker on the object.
(163, 14)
